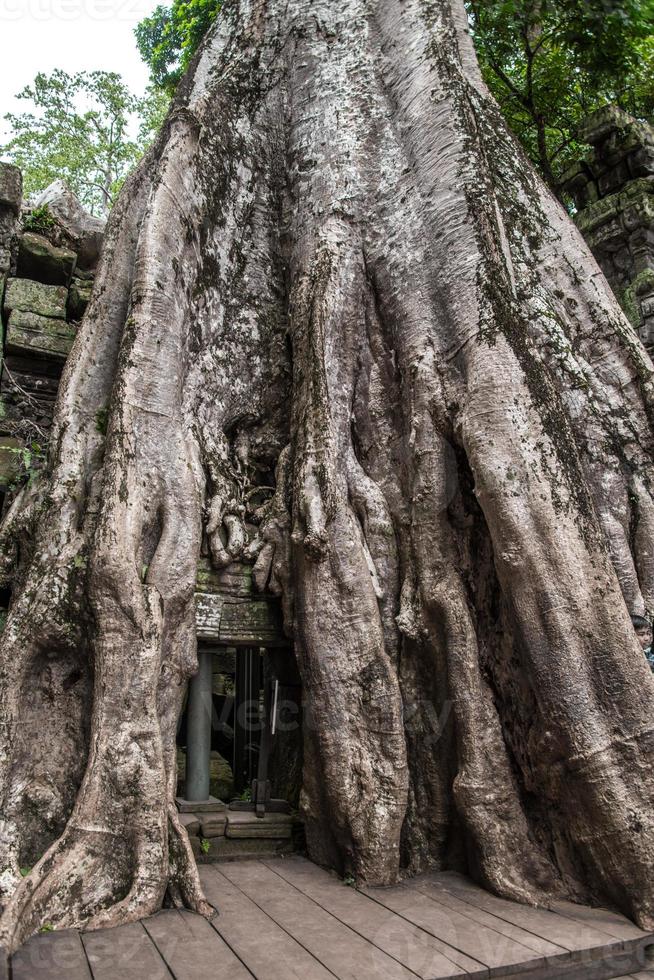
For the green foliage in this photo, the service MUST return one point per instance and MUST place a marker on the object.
(39, 220)
(31, 460)
(550, 63)
(205, 845)
(78, 129)
(170, 36)
(349, 880)
(24, 872)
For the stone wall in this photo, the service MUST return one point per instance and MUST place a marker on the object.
(48, 254)
(613, 191)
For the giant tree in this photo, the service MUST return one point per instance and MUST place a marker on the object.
(336, 266)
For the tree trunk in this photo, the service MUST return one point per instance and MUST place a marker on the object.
(335, 265)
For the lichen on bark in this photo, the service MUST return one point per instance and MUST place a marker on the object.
(342, 331)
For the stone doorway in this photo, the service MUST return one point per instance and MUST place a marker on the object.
(239, 696)
(239, 741)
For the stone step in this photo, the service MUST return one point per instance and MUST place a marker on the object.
(227, 849)
(213, 824)
(246, 825)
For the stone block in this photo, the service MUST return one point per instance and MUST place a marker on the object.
(277, 826)
(602, 123)
(195, 846)
(40, 260)
(79, 228)
(191, 823)
(212, 805)
(641, 163)
(224, 849)
(79, 295)
(614, 179)
(213, 824)
(31, 335)
(11, 187)
(35, 297)
(9, 461)
(230, 611)
(647, 307)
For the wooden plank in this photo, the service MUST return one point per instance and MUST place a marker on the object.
(611, 923)
(55, 955)
(337, 947)
(498, 952)
(434, 888)
(265, 948)
(425, 955)
(555, 928)
(192, 949)
(126, 952)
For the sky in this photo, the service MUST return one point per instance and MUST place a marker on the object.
(76, 35)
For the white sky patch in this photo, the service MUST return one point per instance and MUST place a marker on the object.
(75, 35)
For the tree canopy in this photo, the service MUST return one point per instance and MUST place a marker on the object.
(169, 37)
(87, 129)
(550, 63)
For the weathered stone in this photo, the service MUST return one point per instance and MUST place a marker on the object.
(10, 198)
(224, 849)
(11, 187)
(45, 337)
(230, 611)
(619, 228)
(213, 824)
(245, 824)
(191, 823)
(84, 275)
(600, 124)
(194, 806)
(35, 297)
(79, 295)
(82, 230)
(196, 846)
(40, 260)
(9, 461)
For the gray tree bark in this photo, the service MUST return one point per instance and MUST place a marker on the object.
(335, 265)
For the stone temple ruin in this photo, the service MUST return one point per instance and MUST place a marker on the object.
(613, 192)
(239, 737)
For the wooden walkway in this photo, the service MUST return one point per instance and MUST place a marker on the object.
(286, 918)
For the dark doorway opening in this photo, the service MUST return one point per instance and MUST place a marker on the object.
(255, 729)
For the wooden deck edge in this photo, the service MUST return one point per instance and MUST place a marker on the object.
(615, 960)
